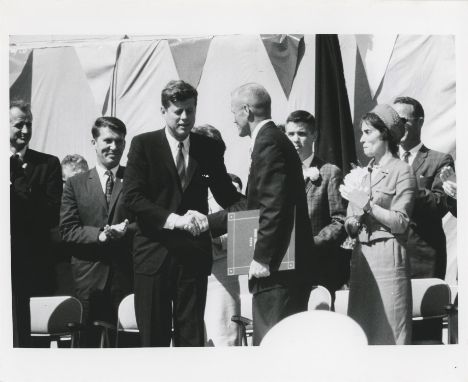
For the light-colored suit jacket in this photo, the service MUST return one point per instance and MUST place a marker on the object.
(393, 187)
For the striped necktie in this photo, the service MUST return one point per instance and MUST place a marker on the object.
(406, 155)
(109, 186)
(180, 163)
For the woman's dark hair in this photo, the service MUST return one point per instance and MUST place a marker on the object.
(374, 120)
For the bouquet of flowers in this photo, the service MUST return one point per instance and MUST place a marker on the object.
(353, 181)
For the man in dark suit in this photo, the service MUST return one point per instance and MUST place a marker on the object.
(35, 191)
(168, 173)
(95, 224)
(275, 187)
(327, 209)
(426, 242)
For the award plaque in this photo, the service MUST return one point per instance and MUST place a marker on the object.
(242, 236)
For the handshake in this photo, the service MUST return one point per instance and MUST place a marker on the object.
(193, 222)
(113, 232)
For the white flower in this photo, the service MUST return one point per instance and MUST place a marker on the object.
(354, 179)
(311, 173)
(24, 165)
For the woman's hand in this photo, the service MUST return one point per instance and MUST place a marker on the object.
(357, 197)
(352, 226)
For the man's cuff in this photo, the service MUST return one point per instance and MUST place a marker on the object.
(170, 222)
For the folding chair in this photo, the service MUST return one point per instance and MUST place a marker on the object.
(126, 320)
(315, 328)
(341, 301)
(319, 299)
(57, 318)
(431, 297)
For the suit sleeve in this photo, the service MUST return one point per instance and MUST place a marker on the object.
(397, 218)
(136, 189)
(53, 192)
(434, 200)
(221, 185)
(333, 233)
(276, 214)
(71, 227)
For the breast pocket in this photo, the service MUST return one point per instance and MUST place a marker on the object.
(383, 196)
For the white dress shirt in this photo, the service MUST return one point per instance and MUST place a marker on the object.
(101, 170)
(174, 146)
(412, 152)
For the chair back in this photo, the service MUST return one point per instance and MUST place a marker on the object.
(320, 299)
(430, 297)
(341, 301)
(50, 315)
(315, 329)
(126, 315)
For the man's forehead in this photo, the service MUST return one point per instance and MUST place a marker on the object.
(188, 103)
(17, 114)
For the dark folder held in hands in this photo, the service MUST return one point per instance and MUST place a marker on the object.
(242, 236)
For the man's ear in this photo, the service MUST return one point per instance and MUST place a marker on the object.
(93, 142)
(163, 110)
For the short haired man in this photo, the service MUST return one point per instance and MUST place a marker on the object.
(426, 242)
(94, 220)
(35, 191)
(327, 209)
(168, 173)
(275, 187)
(73, 164)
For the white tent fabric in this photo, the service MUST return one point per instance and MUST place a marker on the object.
(72, 77)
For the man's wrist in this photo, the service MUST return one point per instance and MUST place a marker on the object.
(368, 207)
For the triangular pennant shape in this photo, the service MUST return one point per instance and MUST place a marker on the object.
(375, 51)
(21, 87)
(285, 53)
(18, 60)
(98, 72)
(189, 57)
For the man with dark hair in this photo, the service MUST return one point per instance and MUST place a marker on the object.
(94, 221)
(168, 173)
(35, 191)
(275, 187)
(327, 209)
(426, 242)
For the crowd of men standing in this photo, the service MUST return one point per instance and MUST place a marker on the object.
(146, 229)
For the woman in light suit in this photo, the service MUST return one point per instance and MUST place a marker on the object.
(379, 215)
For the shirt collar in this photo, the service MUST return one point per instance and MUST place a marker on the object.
(21, 153)
(102, 170)
(412, 151)
(174, 143)
(256, 130)
(306, 162)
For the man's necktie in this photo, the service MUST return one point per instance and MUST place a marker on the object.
(180, 162)
(406, 155)
(109, 185)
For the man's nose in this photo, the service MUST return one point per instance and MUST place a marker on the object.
(25, 128)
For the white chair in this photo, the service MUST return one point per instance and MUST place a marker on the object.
(319, 299)
(315, 328)
(126, 318)
(341, 301)
(431, 297)
(56, 317)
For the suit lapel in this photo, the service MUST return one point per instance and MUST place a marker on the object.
(193, 163)
(316, 162)
(95, 187)
(420, 158)
(116, 190)
(168, 158)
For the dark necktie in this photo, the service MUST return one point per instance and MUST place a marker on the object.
(109, 186)
(406, 155)
(15, 166)
(180, 162)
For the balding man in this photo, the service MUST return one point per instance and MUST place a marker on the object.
(275, 187)
(35, 192)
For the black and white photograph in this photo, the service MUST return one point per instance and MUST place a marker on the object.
(254, 201)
